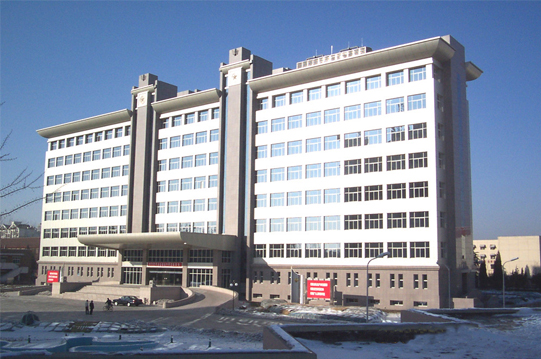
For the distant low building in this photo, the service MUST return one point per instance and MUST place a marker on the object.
(18, 260)
(18, 230)
(526, 248)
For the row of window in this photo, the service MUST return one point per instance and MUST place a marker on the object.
(329, 169)
(95, 155)
(195, 227)
(81, 251)
(89, 175)
(353, 86)
(80, 271)
(83, 213)
(353, 139)
(189, 183)
(91, 193)
(90, 137)
(82, 231)
(335, 250)
(197, 205)
(188, 161)
(351, 194)
(190, 118)
(195, 255)
(351, 222)
(353, 112)
(187, 139)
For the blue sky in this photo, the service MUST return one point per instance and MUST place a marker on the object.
(64, 61)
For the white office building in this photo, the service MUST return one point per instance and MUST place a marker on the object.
(314, 170)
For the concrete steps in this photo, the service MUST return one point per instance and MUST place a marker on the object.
(100, 292)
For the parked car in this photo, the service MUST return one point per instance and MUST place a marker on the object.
(128, 300)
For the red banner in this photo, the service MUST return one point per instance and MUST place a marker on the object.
(318, 289)
(53, 276)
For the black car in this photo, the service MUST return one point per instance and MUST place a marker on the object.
(128, 300)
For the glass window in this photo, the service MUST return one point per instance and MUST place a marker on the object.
(185, 206)
(201, 137)
(294, 173)
(418, 189)
(332, 169)
(352, 112)
(187, 139)
(213, 181)
(372, 137)
(417, 74)
(213, 158)
(296, 97)
(396, 162)
(214, 135)
(332, 115)
(373, 82)
(261, 176)
(200, 160)
(353, 222)
(172, 207)
(105, 172)
(175, 141)
(417, 130)
(313, 197)
(261, 127)
(294, 198)
(352, 166)
(173, 185)
(416, 102)
(98, 136)
(332, 142)
(313, 145)
(278, 124)
(261, 151)
(395, 78)
(187, 161)
(276, 225)
(199, 182)
(263, 103)
(396, 134)
(314, 94)
(162, 144)
(313, 170)
(372, 164)
(278, 149)
(333, 90)
(313, 224)
(372, 109)
(186, 184)
(174, 163)
(198, 205)
(294, 122)
(373, 221)
(294, 225)
(353, 86)
(419, 249)
(215, 113)
(352, 139)
(203, 115)
(261, 200)
(279, 101)
(260, 226)
(213, 204)
(294, 147)
(276, 199)
(313, 119)
(418, 160)
(109, 134)
(373, 193)
(396, 220)
(189, 118)
(332, 195)
(77, 158)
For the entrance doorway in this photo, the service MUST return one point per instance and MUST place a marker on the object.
(165, 276)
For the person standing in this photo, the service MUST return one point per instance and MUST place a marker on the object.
(86, 307)
(91, 306)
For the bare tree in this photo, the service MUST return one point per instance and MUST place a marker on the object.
(24, 181)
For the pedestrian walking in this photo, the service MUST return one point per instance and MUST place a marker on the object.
(86, 307)
(91, 306)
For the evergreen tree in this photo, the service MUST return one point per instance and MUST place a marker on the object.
(483, 277)
(497, 277)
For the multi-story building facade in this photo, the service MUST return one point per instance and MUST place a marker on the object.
(18, 230)
(316, 170)
(526, 248)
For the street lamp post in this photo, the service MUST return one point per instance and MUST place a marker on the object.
(233, 285)
(503, 278)
(381, 255)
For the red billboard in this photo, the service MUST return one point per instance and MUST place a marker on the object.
(318, 289)
(53, 276)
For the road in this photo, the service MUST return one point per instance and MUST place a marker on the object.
(199, 314)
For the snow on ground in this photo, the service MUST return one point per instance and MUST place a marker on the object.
(505, 336)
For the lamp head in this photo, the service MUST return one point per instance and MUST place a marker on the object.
(384, 254)
(514, 259)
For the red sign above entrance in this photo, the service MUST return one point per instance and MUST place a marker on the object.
(53, 276)
(318, 289)
(164, 264)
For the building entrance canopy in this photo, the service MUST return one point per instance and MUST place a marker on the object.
(160, 240)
